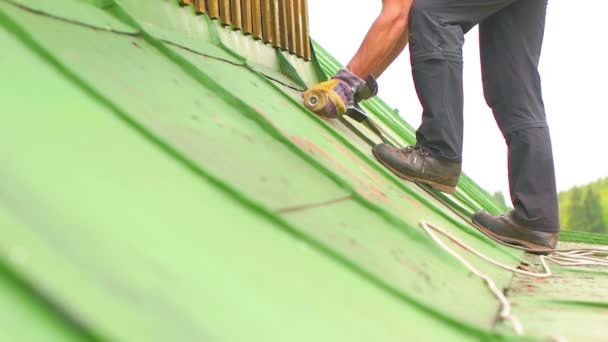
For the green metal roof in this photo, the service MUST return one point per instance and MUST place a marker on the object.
(160, 181)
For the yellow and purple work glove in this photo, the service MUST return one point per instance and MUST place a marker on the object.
(334, 97)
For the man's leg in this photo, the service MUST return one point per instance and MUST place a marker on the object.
(510, 44)
(437, 29)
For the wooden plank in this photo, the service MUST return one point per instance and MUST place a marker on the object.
(247, 20)
(276, 28)
(213, 8)
(283, 25)
(237, 17)
(267, 31)
(291, 23)
(199, 6)
(299, 37)
(225, 15)
(306, 31)
(256, 18)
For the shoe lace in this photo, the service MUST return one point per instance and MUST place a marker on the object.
(416, 150)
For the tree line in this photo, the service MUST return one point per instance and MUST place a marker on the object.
(585, 208)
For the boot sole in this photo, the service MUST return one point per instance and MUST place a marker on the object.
(439, 187)
(513, 242)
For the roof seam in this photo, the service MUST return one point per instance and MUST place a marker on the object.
(229, 62)
(307, 206)
(201, 53)
(69, 21)
(48, 303)
(281, 82)
(67, 316)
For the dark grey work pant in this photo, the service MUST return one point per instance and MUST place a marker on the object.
(510, 38)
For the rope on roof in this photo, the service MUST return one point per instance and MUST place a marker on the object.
(563, 257)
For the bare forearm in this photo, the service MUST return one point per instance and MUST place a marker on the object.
(395, 52)
(384, 42)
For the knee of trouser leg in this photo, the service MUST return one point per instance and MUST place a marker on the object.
(533, 134)
(516, 120)
(430, 37)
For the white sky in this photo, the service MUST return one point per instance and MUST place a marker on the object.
(574, 71)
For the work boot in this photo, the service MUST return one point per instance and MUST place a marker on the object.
(333, 98)
(504, 229)
(416, 164)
